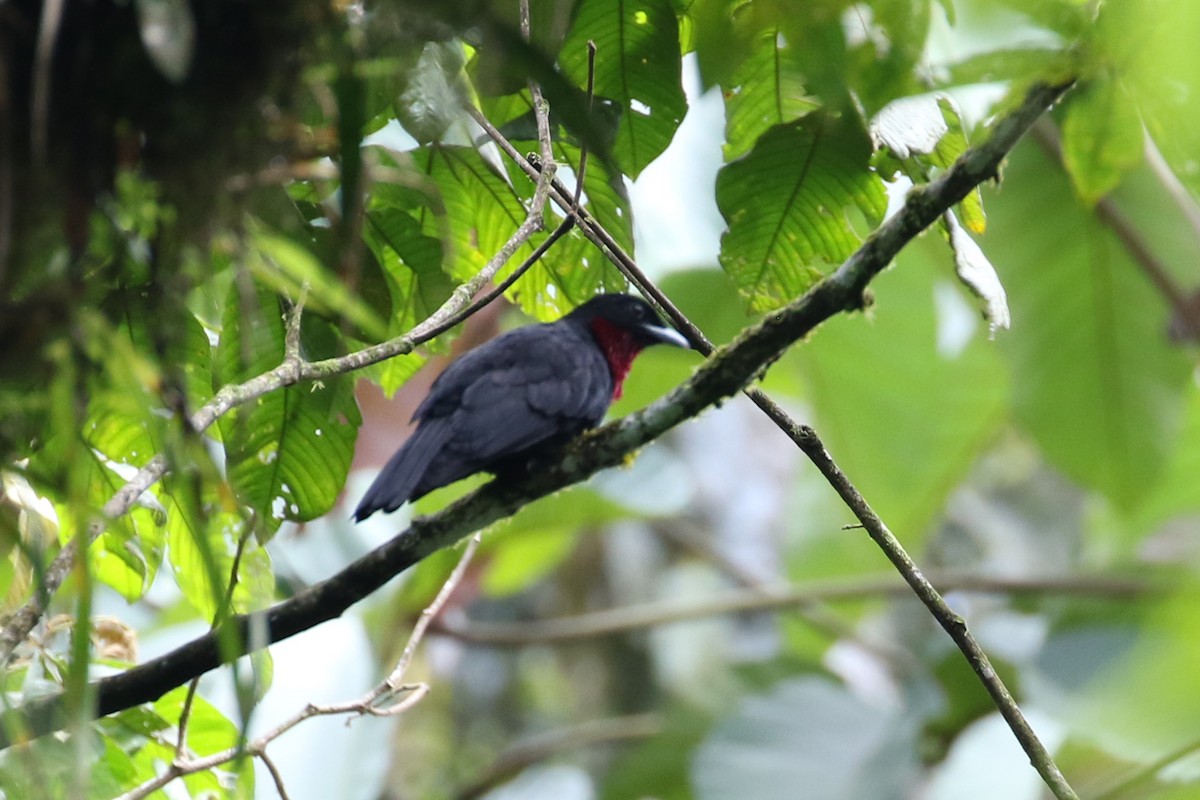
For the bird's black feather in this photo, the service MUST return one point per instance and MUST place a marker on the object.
(529, 389)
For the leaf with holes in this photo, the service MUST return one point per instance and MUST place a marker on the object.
(288, 452)
(637, 72)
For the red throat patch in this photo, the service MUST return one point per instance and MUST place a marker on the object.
(619, 348)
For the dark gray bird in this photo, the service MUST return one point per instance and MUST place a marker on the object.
(528, 390)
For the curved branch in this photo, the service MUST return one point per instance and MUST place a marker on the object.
(728, 371)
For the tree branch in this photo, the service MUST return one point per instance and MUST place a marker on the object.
(729, 370)
(611, 622)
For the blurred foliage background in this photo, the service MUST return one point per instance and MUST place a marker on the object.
(700, 624)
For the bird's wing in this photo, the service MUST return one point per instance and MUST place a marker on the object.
(541, 389)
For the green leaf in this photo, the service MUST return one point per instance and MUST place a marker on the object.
(1097, 384)
(1021, 65)
(569, 274)
(287, 453)
(433, 95)
(1174, 493)
(1102, 138)
(723, 34)
(411, 264)
(528, 546)
(637, 71)
(522, 559)
(123, 435)
(462, 201)
(766, 90)
(201, 546)
(572, 271)
(50, 766)
(285, 266)
(604, 195)
(1154, 47)
(183, 343)
(787, 205)
(947, 403)
(208, 732)
(952, 145)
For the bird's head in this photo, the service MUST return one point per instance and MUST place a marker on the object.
(631, 315)
(624, 325)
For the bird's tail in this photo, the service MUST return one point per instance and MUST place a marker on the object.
(394, 485)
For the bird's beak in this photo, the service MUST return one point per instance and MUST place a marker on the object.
(661, 334)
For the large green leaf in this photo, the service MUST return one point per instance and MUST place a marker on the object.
(1174, 493)
(289, 268)
(209, 732)
(122, 434)
(573, 269)
(202, 543)
(287, 453)
(1153, 47)
(903, 416)
(637, 70)
(1096, 382)
(460, 199)
(766, 90)
(1102, 138)
(605, 195)
(412, 268)
(787, 204)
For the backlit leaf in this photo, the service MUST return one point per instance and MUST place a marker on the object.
(788, 207)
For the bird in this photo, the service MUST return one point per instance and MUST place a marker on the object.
(527, 391)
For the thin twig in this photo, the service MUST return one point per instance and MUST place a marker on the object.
(953, 624)
(812, 611)
(628, 619)
(291, 336)
(276, 775)
(541, 110)
(396, 678)
(221, 613)
(1174, 188)
(364, 705)
(581, 173)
